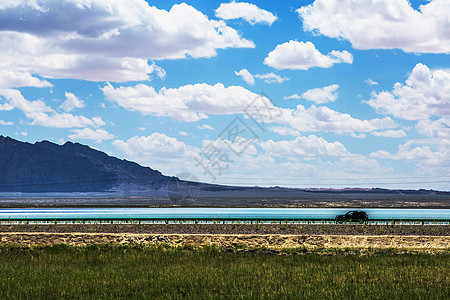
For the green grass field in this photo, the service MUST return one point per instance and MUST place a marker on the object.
(107, 272)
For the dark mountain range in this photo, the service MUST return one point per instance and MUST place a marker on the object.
(72, 167)
(45, 167)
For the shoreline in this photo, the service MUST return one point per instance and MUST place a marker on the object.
(338, 205)
(315, 200)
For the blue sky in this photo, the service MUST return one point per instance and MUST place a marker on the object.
(290, 93)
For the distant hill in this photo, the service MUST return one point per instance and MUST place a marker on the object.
(72, 167)
(45, 167)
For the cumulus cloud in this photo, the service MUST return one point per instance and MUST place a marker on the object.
(43, 115)
(246, 76)
(439, 128)
(160, 151)
(384, 24)
(271, 78)
(262, 163)
(296, 162)
(71, 102)
(187, 103)
(98, 135)
(268, 77)
(302, 146)
(424, 94)
(172, 156)
(322, 118)
(322, 95)
(15, 79)
(296, 55)
(91, 39)
(284, 130)
(390, 133)
(247, 11)
(156, 145)
(191, 103)
(420, 155)
(318, 95)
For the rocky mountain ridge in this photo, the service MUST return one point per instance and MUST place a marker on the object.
(72, 167)
(46, 167)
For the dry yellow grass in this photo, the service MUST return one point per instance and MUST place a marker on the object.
(270, 241)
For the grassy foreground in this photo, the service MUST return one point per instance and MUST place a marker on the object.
(105, 272)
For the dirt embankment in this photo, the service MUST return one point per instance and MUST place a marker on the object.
(258, 229)
(271, 236)
(269, 241)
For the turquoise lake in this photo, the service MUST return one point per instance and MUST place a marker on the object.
(217, 213)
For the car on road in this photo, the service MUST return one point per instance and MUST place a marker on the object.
(353, 216)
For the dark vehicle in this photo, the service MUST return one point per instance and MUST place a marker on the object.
(353, 216)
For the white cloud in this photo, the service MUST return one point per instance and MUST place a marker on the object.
(205, 126)
(187, 103)
(98, 135)
(160, 72)
(371, 82)
(424, 94)
(228, 145)
(91, 39)
(14, 79)
(268, 77)
(246, 76)
(296, 55)
(43, 115)
(24, 133)
(322, 118)
(339, 57)
(191, 103)
(390, 133)
(294, 96)
(247, 11)
(359, 165)
(284, 130)
(419, 155)
(356, 135)
(322, 95)
(5, 106)
(271, 78)
(309, 158)
(71, 102)
(171, 156)
(157, 146)
(160, 152)
(384, 24)
(183, 133)
(303, 147)
(6, 123)
(439, 128)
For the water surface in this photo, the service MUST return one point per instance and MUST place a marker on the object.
(218, 213)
